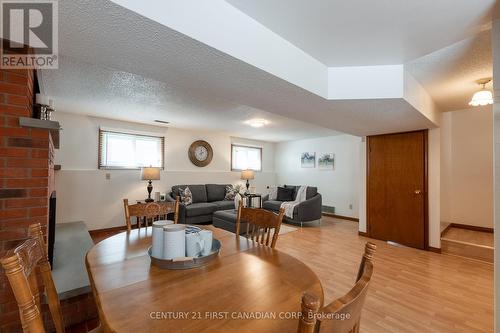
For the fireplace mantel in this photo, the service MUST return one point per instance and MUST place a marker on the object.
(53, 126)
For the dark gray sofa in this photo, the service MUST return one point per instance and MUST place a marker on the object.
(305, 212)
(207, 199)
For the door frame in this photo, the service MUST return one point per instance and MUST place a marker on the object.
(426, 184)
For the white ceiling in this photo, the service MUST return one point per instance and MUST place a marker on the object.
(450, 74)
(95, 90)
(365, 32)
(117, 64)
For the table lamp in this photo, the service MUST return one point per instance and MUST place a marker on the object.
(247, 175)
(150, 174)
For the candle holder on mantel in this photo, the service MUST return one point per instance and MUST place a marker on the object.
(46, 107)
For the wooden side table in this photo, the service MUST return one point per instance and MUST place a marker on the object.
(250, 198)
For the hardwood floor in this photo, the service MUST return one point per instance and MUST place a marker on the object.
(411, 290)
(469, 236)
(468, 243)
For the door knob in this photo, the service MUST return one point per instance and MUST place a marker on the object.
(417, 192)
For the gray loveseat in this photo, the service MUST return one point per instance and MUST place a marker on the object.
(307, 211)
(207, 199)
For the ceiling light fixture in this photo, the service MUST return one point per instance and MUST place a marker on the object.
(258, 122)
(162, 121)
(483, 96)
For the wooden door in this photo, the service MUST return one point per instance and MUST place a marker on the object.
(397, 188)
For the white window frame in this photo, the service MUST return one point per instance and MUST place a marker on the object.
(235, 145)
(102, 149)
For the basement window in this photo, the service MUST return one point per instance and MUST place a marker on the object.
(120, 150)
(245, 157)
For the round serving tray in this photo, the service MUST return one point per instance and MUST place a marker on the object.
(186, 262)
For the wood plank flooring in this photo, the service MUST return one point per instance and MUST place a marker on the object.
(468, 243)
(411, 291)
(469, 236)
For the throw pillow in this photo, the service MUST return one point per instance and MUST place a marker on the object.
(186, 196)
(284, 194)
(273, 192)
(230, 192)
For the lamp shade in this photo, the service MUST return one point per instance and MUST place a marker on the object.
(150, 173)
(247, 174)
(482, 97)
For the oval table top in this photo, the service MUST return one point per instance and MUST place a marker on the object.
(245, 282)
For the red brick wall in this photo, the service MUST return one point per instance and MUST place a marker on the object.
(25, 168)
(26, 182)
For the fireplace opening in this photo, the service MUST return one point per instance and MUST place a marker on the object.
(52, 228)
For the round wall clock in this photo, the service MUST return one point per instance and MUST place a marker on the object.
(200, 153)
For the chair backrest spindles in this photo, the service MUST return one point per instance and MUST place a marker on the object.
(35, 232)
(263, 226)
(20, 267)
(28, 311)
(343, 315)
(150, 211)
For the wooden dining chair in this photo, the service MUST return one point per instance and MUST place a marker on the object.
(146, 212)
(260, 224)
(167, 207)
(20, 265)
(344, 314)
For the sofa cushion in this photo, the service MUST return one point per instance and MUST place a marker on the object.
(199, 192)
(295, 189)
(273, 205)
(201, 219)
(200, 208)
(224, 204)
(285, 194)
(311, 191)
(216, 192)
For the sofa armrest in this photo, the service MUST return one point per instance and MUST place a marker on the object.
(265, 198)
(168, 197)
(310, 209)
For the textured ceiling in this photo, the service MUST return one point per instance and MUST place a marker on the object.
(363, 32)
(118, 64)
(450, 74)
(98, 91)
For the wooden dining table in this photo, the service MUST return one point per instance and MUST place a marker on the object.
(247, 288)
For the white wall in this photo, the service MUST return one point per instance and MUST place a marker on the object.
(84, 193)
(467, 167)
(362, 186)
(495, 39)
(434, 187)
(339, 187)
(370, 82)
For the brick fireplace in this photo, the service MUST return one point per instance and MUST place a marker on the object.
(26, 174)
(26, 184)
